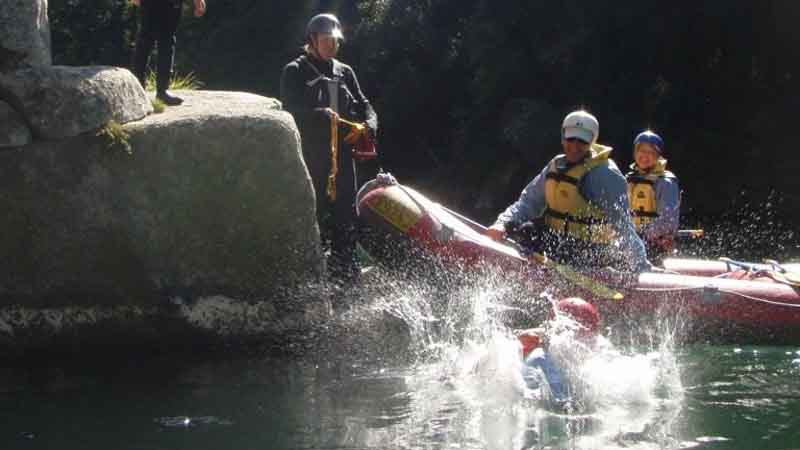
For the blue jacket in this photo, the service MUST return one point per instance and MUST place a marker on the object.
(668, 203)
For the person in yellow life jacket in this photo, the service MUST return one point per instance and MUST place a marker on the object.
(580, 199)
(654, 195)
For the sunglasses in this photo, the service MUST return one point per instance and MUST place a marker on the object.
(574, 139)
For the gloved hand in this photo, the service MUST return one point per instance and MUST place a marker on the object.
(359, 138)
(496, 232)
(529, 235)
(328, 112)
(664, 243)
(355, 134)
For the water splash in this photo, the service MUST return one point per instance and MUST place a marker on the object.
(465, 387)
(753, 226)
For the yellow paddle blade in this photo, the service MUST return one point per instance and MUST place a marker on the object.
(782, 275)
(790, 278)
(588, 283)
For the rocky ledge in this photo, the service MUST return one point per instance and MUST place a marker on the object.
(196, 221)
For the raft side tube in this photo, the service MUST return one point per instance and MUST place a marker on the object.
(711, 268)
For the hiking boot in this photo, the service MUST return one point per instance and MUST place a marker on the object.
(169, 100)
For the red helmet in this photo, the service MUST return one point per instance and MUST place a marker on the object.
(529, 339)
(581, 311)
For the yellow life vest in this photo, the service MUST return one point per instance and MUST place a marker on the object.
(567, 211)
(642, 193)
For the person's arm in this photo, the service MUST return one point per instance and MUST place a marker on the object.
(135, 2)
(530, 205)
(606, 188)
(364, 106)
(668, 201)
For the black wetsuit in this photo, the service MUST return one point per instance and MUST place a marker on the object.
(158, 23)
(308, 84)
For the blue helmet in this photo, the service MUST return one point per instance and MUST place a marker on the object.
(650, 138)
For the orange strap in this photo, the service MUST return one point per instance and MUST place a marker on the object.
(357, 131)
(331, 188)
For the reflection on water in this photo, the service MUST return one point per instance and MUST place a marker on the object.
(461, 388)
(733, 400)
(186, 421)
(749, 395)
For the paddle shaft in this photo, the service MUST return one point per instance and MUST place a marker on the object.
(774, 270)
(691, 233)
(567, 272)
(742, 264)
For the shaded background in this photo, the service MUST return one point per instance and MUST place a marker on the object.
(471, 93)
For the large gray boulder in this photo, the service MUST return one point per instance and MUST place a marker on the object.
(24, 34)
(212, 200)
(64, 101)
(13, 130)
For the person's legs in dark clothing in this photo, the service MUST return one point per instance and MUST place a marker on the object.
(145, 41)
(158, 23)
(344, 245)
(343, 265)
(338, 231)
(166, 54)
(166, 51)
(338, 242)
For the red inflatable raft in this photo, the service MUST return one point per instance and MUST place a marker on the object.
(764, 299)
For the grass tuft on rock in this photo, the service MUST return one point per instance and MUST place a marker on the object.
(158, 105)
(187, 82)
(116, 137)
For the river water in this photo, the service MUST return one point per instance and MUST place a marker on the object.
(459, 387)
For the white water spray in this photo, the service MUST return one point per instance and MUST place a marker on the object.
(467, 389)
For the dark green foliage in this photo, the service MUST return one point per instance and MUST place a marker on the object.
(471, 93)
(92, 32)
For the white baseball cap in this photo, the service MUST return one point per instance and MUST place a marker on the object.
(581, 125)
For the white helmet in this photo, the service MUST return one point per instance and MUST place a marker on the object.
(581, 125)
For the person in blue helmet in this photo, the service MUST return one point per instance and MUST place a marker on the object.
(654, 195)
(580, 203)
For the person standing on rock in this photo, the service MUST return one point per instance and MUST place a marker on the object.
(319, 90)
(158, 22)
